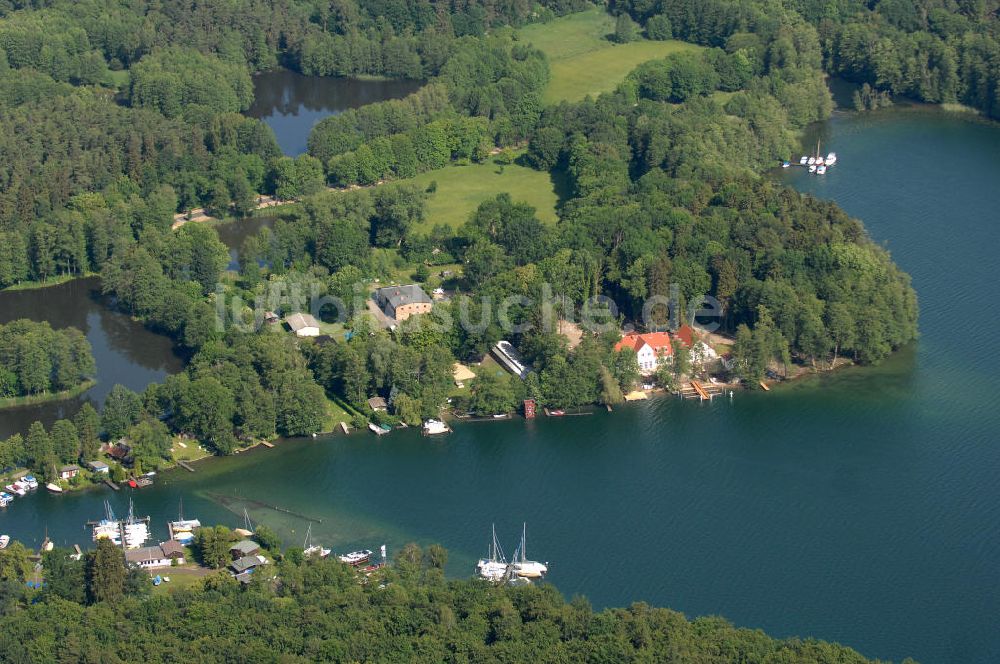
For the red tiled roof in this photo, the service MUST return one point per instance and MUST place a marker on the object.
(658, 341)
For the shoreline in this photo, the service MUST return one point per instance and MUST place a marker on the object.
(10, 403)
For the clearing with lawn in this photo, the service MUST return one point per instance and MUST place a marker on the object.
(460, 189)
(583, 61)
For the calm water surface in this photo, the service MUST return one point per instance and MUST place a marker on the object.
(291, 103)
(862, 507)
(124, 351)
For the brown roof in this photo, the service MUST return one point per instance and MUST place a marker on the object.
(172, 548)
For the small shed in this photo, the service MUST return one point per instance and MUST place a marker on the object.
(303, 325)
(271, 317)
(98, 466)
(244, 548)
(69, 472)
(378, 404)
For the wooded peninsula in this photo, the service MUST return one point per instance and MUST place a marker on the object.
(117, 118)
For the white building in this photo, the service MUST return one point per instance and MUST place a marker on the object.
(303, 325)
(651, 350)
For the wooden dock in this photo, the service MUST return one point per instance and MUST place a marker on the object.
(186, 466)
(111, 484)
(267, 443)
(764, 385)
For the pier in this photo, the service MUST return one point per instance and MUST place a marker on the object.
(186, 466)
(111, 484)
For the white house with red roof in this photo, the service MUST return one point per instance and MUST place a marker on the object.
(650, 349)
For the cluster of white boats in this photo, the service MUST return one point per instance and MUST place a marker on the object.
(817, 164)
(129, 533)
(519, 570)
(17, 488)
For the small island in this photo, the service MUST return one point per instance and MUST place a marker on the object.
(40, 364)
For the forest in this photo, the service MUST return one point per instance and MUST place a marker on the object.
(115, 123)
(35, 359)
(98, 610)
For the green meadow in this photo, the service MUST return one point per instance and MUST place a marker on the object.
(583, 61)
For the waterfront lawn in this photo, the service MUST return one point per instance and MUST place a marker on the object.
(460, 190)
(189, 452)
(582, 61)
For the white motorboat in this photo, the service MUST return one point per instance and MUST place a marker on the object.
(30, 481)
(15, 488)
(820, 170)
(529, 569)
(5, 499)
(53, 487)
(812, 160)
(812, 169)
(356, 558)
(435, 427)
(831, 159)
(803, 161)
(4, 541)
(378, 429)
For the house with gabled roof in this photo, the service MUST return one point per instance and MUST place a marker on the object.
(651, 349)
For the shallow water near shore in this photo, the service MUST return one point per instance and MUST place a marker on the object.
(860, 507)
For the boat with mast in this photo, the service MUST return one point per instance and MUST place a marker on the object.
(247, 529)
(182, 525)
(528, 569)
(309, 549)
(109, 527)
(136, 531)
(493, 568)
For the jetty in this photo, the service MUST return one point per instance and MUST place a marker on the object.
(111, 484)
(698, 390)
(764, 386)
(267, 443)
(186, 466)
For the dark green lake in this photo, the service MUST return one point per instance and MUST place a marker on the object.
(291, 103)
(862, 507)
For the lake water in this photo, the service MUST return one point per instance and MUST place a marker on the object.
(291, 103)
(125, 352)
(862, 507)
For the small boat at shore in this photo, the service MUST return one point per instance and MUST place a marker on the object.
(831, 159)
(820, 170)
(5, 499)
(16, 488)
(30, 481)
(310, 550)
(803, 161)
(786, 164)
(54, 488)
(355, 558)
(4, 541)
(434, 427)
(378, 429)
(812, 168)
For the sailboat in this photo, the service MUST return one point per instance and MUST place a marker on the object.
(182, 525)
(108, 527)
(309, 549)
(528, 569)
(493, 568)
(136, 530)
(247, 530)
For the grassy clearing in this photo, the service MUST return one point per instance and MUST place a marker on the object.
(187, 449)
(582, 60)
(460, 190)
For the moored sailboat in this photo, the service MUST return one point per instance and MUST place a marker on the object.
(529, 569)
(493, 568)
(310, 550)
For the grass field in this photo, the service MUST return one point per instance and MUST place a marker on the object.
(582, 60)
(460, 190)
